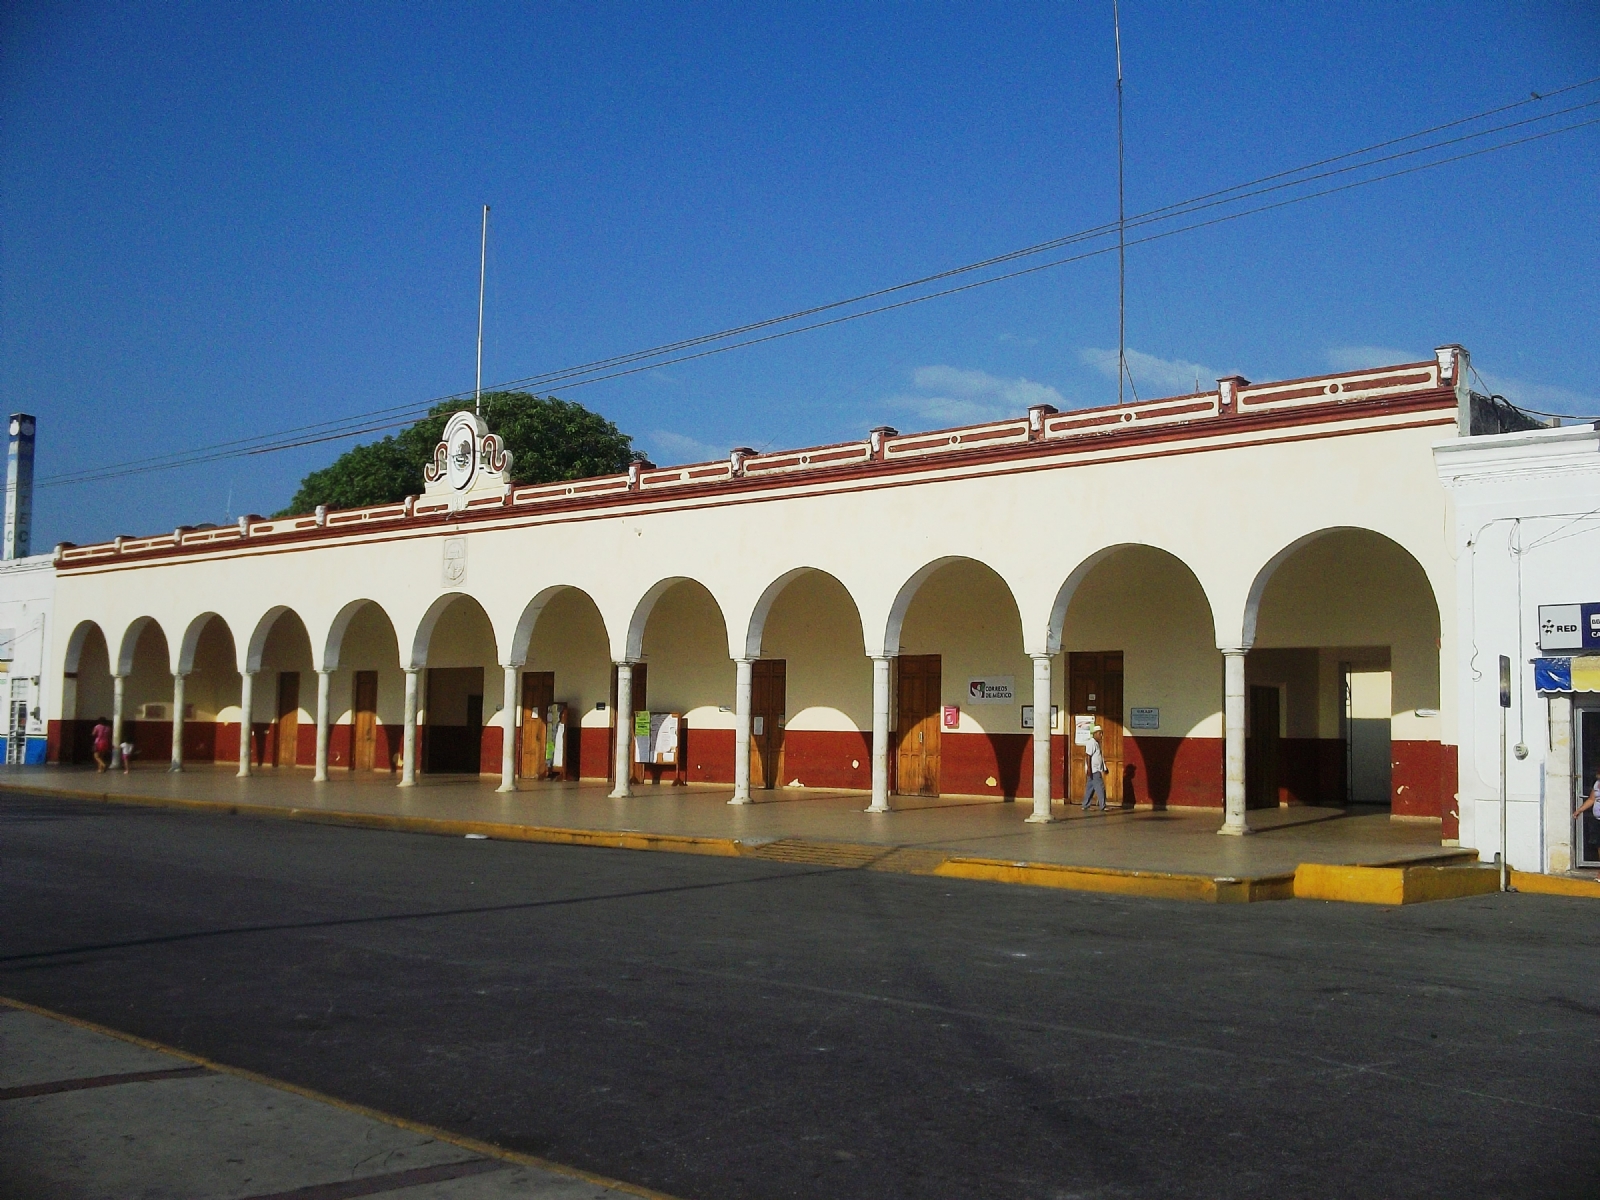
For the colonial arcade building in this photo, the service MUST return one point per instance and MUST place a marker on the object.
(1249, 589)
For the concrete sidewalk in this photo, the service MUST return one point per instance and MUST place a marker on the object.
(87, 1113)
(801, 824)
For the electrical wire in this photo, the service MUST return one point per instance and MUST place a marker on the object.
(599, 370)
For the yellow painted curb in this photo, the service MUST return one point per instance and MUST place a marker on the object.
(1157, 884)
(1391, 885)
(1555, 885)
(607, 838)
(455, 1139)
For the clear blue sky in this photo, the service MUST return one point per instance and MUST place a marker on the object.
(220, 220)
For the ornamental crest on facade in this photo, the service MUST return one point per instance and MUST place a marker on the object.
(468, 462)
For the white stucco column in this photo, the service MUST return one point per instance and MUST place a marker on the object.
(247, 689)
(177, 723)
(1041, 740)
(508, 744)
(880, 734)
(324, 678)
(118, 683)
(408, 744)
(1233, 741)
(744, 669)
(1560, 789)
(623, 718)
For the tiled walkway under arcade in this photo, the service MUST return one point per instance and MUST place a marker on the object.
(1177, 840)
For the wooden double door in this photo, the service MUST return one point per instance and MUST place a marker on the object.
(917, 725)
(768, 696)
(287, 751)
(1094, 692)
(364, 722)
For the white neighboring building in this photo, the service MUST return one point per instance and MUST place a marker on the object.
(1527, 535)
(27, 596)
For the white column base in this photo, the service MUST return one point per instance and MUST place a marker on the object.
(880, 735)
(623, 718)
(177, 723)
(744, 671)
(508, 747)
(1233, 719)
(247, 687)
(320, 775)
(408, 745)
(1041, 741)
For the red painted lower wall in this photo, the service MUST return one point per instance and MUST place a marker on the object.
(1170, 772)
(826, 758)
(1449, 792)
(1418, 776)
(709, 755)
(489, 750)
(594, 750)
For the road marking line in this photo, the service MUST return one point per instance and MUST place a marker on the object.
(487, 1149)
(99, 1081)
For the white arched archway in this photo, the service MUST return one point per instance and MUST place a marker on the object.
(756, 627)
(257, 644)
(191, 641)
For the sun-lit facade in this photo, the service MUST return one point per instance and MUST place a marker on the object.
(1250, 589)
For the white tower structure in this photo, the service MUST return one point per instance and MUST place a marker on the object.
(19, 487)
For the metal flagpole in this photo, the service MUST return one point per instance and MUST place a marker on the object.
(483, 262)
(1505, 706)
(1122, 268)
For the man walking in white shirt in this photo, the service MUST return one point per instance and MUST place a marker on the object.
(1096, 785)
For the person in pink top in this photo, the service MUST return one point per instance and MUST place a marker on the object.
(102, 744)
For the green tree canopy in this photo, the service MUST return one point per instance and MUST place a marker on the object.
(549, 439)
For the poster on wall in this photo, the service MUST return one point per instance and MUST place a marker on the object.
(992, 689)
(1144, 718)
(1080, 729)
(655, 738)
(664, 738)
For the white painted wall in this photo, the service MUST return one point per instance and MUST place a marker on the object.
(1526, 532)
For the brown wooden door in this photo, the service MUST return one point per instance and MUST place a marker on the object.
(1095, 690)
(364, 722)
(768, 696)
(917, 725)
(288, 718)
(538, 694)
(1261, 749)
(641, 703)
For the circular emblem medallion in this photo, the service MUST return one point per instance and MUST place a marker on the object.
(461, 437)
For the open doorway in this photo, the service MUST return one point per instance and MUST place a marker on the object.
(1587, 767)
(1366, 729)
(768, 686)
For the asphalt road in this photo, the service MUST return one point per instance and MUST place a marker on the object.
(734, 1028)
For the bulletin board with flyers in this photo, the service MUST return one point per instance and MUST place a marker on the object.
(658, 739)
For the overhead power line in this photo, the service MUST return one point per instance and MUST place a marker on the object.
(705, 345)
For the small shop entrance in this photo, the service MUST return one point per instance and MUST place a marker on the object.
(1095, 696)
(1366, 730)
(917, 725)
(1588, 767)
(288, 722)
(768, 697)
(364, 722)
(538, 694)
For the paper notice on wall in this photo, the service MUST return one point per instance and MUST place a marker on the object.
(555, 739)
(641, 737)
(664, 738)
(992, 689)
(1080, 729)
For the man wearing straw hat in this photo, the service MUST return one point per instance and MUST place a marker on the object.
(1096, 784)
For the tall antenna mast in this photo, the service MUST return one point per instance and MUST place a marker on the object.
(1122, 265)
(483, 262)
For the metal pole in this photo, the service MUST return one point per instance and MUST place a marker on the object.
(483, 262)
(1122, 269)
(1505, 706)
(1505, 878)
